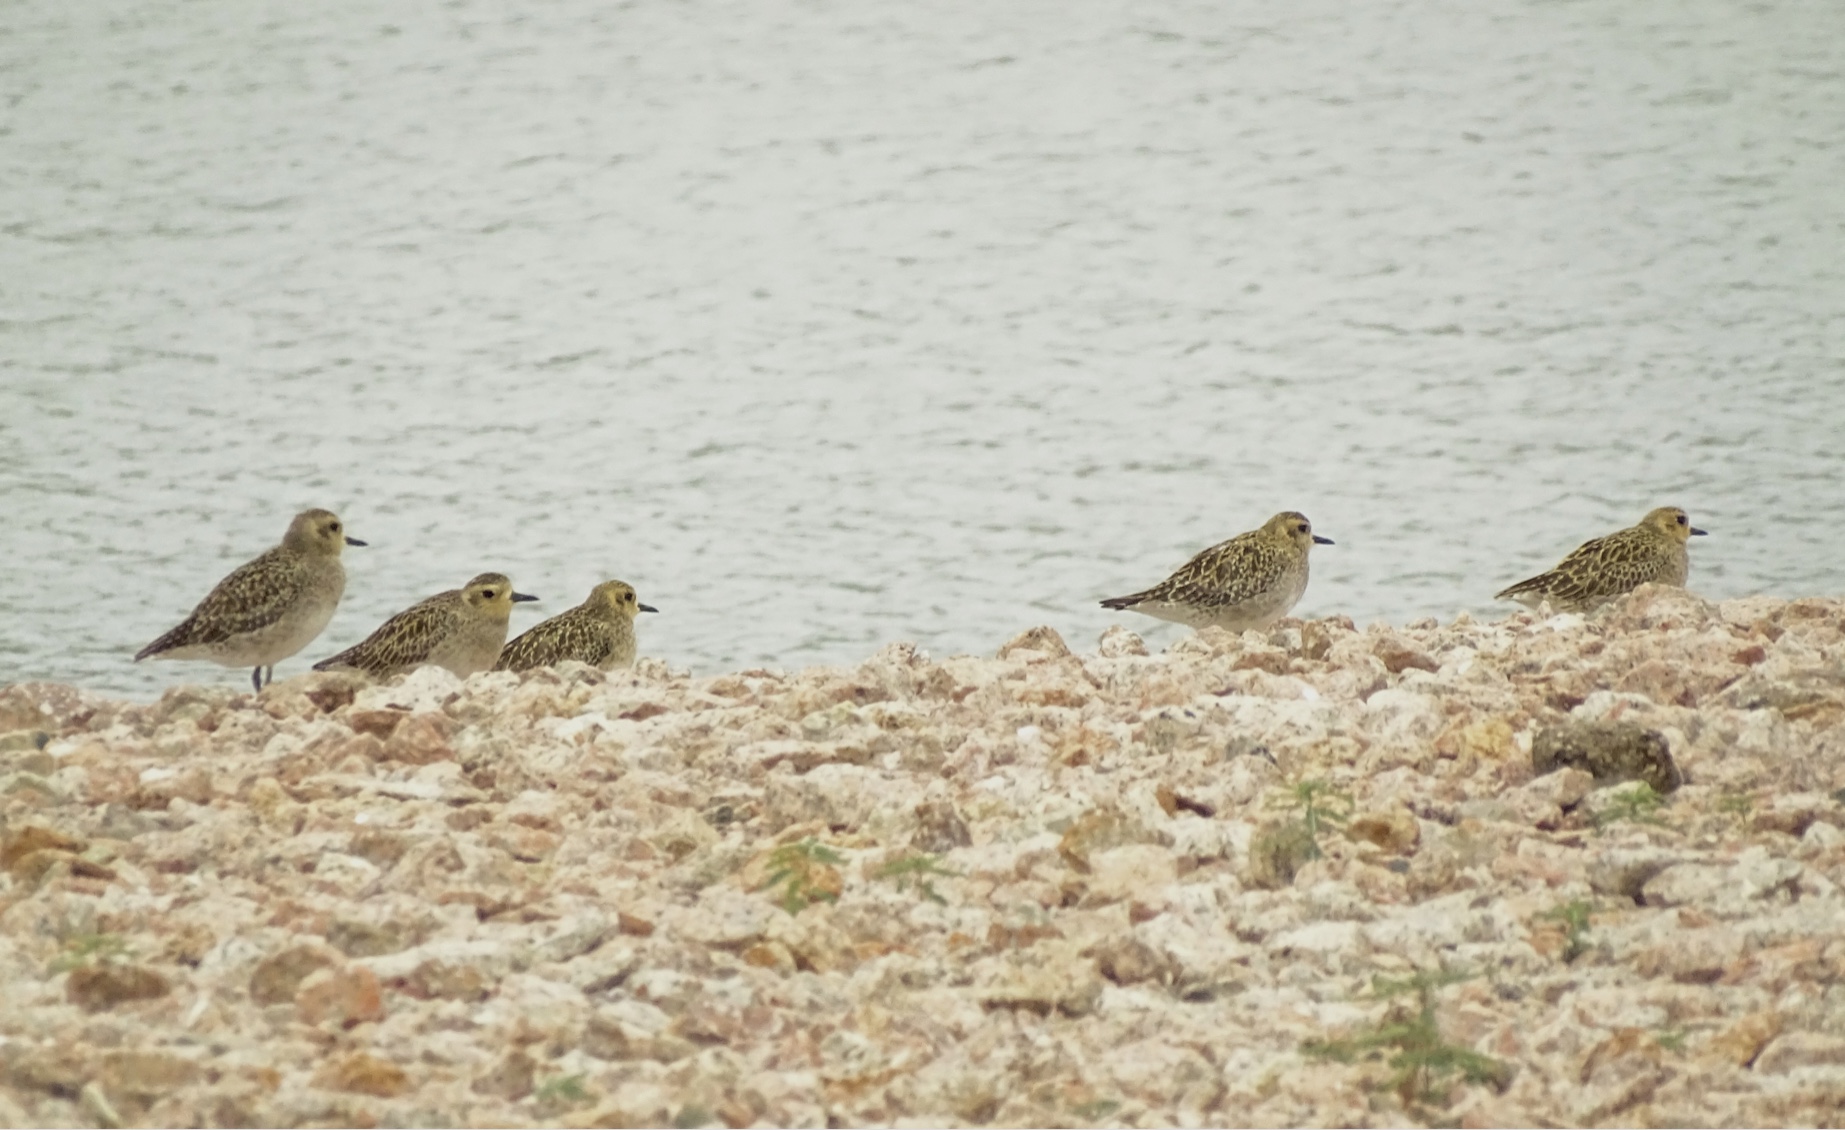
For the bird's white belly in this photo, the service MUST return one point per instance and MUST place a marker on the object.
(469, 650)
(1256, 613)
(265, 646)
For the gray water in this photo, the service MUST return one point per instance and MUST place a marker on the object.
(833, 324)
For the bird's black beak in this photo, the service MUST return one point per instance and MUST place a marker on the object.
(1695, 532)
(520, 597)
(1318, 540)
(648, 608)
(354, 541)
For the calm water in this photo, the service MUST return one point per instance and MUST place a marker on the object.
(832, 324)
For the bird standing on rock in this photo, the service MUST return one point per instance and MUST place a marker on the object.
(1600, 569)
(462, 629)
(1248, 582)
(599, 632)
(270, 607)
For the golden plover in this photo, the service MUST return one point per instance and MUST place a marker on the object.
(599, 632)
(1247, 582)
(1600, 569)
(461, 629)
(268, 608)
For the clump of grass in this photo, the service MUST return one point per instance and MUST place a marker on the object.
(1574, 916)
(1318, 806)
(561, 1092)
(1636, 805)
(1738, 805)
(1095, 1111)
(1671, 1039)
(919, 870)
(88, 949)
(807, 872)
(1279, 850)
(1409, 1040)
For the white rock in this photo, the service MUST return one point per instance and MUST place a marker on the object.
(1319, 938)
(1130, 871)
(1752, 876)
(426, 688)
(1822, 836)
(724, 917)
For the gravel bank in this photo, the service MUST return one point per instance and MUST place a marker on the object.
(1308, 876)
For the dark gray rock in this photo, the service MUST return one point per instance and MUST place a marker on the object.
(1611, 751)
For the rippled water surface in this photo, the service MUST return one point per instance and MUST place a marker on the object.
(831, 324)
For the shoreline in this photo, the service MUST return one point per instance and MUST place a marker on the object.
(1106, 887)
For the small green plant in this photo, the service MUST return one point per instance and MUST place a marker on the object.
(561, 1092)
(1419, 1059)
(1671, 1039)
(1095, 1111)
(1318, 806)
(1575, 919)
(1738, 805)
(918, 869)
(88, 949)
(1637, 805)
(807, 871)
(1279, 850)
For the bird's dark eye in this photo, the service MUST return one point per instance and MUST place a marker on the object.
(1302, 528)
(1681, 519)
(488, 593)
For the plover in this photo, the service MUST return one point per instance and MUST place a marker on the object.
(268, 608)
(1600, 569)
(599, 632)
(461, 629)
(1247, 582)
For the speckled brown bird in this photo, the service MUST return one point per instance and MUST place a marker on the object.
(599, 632)
(462, 629)
(270, 607)
(1598, 570)
(1250, 581)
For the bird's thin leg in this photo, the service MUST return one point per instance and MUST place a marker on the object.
(256, 678)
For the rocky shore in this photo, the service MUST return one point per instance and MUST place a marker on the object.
(1545, 870)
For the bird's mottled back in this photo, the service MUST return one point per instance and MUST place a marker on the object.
(599, 632)
(1600, 569)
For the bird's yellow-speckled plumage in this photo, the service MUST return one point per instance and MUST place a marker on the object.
(462, 629)
(599, 632)
(270, 607)
(1598, 570)
(1250, 581)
